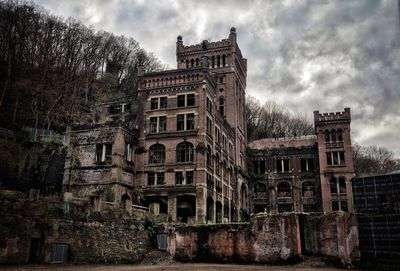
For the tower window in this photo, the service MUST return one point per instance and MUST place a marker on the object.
(103, 152)
(221, 105)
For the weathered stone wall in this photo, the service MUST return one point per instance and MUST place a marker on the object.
(268, 239)
(110, 237)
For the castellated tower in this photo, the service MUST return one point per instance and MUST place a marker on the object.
(335, 159)
(192, 140)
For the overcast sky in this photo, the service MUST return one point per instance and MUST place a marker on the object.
(306, 55)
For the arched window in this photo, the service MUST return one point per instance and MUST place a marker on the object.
(184, 152)
(213, 61)
(192, 63)
(223, 60)
(197, 62)
(283, 189)
(308, 189)
(218, 61)
(221, 105)
(157, 154)
(187, 63)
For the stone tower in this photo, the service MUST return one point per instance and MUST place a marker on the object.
(335, 159)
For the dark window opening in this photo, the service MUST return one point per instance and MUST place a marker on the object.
(282, 165)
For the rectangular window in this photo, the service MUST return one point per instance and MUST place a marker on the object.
(154, 103)
(224, 142)
(181, 101)
(218, 135)
(282, 165)
(153, 124)
(151, 177)
(190, 100)
(128, 153)
(209, 105)
(103, 152)
(306, 164)
(185, 122)
(179, 177)
(219, 187)
(259, 167)
(155, 178)
(231, 149)
(163, 102)
(335, 158)
(160, 178)
(210, 182)
(209, 126)
(158, 103)
(186, 100)
(158, 124)
(180, 122)
(189, 177)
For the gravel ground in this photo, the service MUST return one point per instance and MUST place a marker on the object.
(174, 267)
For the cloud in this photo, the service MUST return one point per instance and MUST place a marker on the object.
(307, 55)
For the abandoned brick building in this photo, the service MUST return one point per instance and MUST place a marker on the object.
(184, 153)
(305, 174)
(189, 154)
(100, 162)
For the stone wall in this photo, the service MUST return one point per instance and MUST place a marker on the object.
(268, 239)
(29, 229)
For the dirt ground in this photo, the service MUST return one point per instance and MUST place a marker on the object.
(174, 267)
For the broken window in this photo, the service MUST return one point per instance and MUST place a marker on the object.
(154, 103)
(284, 189)
(181, 101)
(157, 154)
(163, 102)
(342, 185)
(179, 177)
(306, 164)
(158, 124)
(185, 122)
(103, 152)
(308, 189)
(155, 178)
(184, 152)
(209, 162)
(209, 126)
(221, 105)
(128, 153)
(209, 105)
(259, 167)
(189, 177)
(333, 185)
(282, 165)
(210, 182)
(186, 100)
(335, 158)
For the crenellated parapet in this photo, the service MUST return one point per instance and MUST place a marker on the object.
(321, 118)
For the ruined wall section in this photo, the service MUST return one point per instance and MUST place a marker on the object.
(268, 239)
(29, 229)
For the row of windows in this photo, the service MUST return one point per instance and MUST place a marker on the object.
(181, 178)
(284, 189)
(183, 100)
(283, 165)
(220, 188)
(184, 153)
(215, 62)
(184, 122)
(334, 135)
(220, 138)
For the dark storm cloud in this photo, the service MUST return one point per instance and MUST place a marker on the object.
(308, 55)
